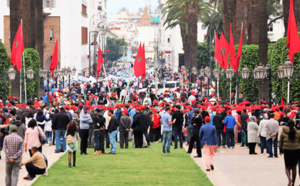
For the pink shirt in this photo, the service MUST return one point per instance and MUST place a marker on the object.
(32, 137)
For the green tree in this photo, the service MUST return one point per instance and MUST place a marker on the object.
(279, 55)
(113, 45)
(4, 66)
(203, 55)
(32, 60)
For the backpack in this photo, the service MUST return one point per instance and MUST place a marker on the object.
(46, 160)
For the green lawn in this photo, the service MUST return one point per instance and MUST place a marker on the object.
(147, 166)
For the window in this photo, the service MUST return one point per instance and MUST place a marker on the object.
(170, 85)
(51, 34)
(8, 3)
(270, 28)
(83, 10)
(84, 35)
(48, 3)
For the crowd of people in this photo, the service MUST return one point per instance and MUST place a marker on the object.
(99, 116)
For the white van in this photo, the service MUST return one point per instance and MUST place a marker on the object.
(163, 86)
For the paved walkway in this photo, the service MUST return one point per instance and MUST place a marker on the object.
(47, 150)
(237, 167)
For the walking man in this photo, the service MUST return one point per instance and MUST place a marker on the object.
(197, 123)
(13, 147)
(272, 136)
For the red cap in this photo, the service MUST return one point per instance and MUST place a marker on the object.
(207, 119)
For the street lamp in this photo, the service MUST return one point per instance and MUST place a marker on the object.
(245, 72)
(11, 73)
(229, 74)
(216, 73)
(45, 74)
(207, 74)
(286, 71)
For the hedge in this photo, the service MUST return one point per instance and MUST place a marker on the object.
(5, 64)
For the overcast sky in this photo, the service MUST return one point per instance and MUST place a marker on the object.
(113, 6)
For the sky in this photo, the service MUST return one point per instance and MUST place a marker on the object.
(113, 6)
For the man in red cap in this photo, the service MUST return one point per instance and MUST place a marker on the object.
(208, 137)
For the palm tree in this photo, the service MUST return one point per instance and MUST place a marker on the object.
(185, 14)
(213, 21)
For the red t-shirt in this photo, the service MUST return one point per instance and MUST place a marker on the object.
(156, 122)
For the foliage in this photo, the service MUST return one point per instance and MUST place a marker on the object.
(279, 55)
(251, 59)
(113, 45)
(213, 21)
(203, 58)
(146, 166)
(32, 60)
(4, 66)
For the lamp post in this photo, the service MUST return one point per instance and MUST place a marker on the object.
(229, 74)
(286, 71)
(11, 73)
(202, 74)
(216, 73)
(224, 92)
(207, 73)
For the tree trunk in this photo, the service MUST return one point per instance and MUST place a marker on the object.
(241, 17)
(15, 18)
(192, 34)
(253, 26)
(39, 30)
(229, 16)
(184, 37)
(263, 44)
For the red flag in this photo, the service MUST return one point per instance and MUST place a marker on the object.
(17, 49)
(293, 41)
(54, 60)
(144, 59)
(218, 56)
(99, 62)
(139, 63)
(232, 51)
(240, 50)
(224, 49)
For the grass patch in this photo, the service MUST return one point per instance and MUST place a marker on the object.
(147, 166)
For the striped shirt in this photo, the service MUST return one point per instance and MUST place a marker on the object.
(13, 147)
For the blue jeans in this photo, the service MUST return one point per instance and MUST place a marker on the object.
(269, 146)
(230, 138)
(167, 135)
(112, 139)
(97, 140)
(48, 136)
(262, 144)
(58, 135)
(178, 132)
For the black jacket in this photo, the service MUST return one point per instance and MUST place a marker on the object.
(244, 118)
(139, 122)
(204, 114)
(217, 121)
(60, 121)
(113, 124)
(198, 123)
(178, 115)
(98, 121)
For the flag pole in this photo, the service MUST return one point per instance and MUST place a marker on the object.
(25, 93)
(237, 76)
(106, 78)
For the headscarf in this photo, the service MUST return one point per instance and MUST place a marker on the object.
(252, 119)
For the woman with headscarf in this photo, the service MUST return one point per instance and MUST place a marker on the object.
(290, 146)
(252, 129)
